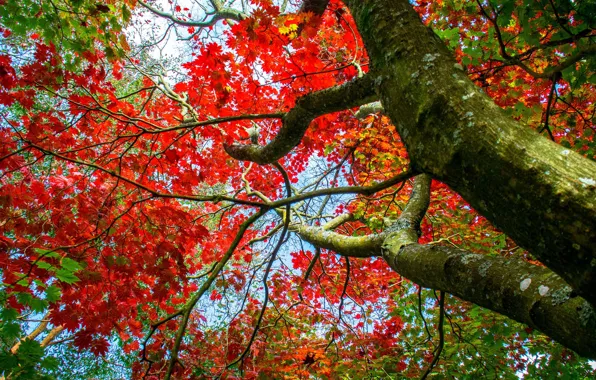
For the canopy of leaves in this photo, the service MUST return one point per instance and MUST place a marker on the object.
(132, 243)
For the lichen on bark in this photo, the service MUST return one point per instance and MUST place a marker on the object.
(526, 185)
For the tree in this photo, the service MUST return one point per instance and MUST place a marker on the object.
(254, 207)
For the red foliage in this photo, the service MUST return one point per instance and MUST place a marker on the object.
(106, 174)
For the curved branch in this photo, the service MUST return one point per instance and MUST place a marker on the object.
(529, 294)
(406, 230)
(222, 14)
(549, 71)
(364, 190)
(439, 349)
(194, 124)
(41, 327)
(153, 192)
(295, 123)
(348, 246)
(278, 246)
(153, 329)
(53, 334)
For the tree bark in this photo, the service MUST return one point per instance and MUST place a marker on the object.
(524, 292)
(539, 193)
(529, 294)
(295, 123)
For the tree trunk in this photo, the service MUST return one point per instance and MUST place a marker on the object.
(539, 193)
(527, 293)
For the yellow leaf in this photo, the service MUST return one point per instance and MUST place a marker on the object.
(123, 42)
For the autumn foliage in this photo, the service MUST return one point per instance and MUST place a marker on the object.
(126, 225)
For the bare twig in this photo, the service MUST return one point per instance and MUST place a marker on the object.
(439, 348)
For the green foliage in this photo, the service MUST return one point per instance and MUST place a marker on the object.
(73, 27)
(482, 344)
(77, 365)
(28, 362)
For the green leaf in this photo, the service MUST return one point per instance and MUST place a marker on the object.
(7, 362)
(24, 298)
(110, 53)
(328, 149)
(121, 260)
(450, 35)
(45, 265)
(66, 276)
(50, 363)
(474, 52)
(125, 14)
(30, 351)
(70, 265)
(8, 314)
(38, 305)
(505, 13)
(11, 331)
(47, 253)
(52, 294)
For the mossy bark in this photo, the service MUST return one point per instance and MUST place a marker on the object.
(352, 94)
(527, 293)
(524, 292)
(539, 193)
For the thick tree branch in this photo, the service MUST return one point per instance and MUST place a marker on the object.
(352, 246)
(539, 193)
(349, 246)
(41, 327)
(53, 334)
(406, 230)
(527, 293)
(524, 292)
(295, 123)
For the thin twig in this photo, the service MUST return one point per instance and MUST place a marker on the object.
(549, 104)
(437, 351)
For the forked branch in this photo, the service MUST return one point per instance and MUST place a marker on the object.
(527, 293)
